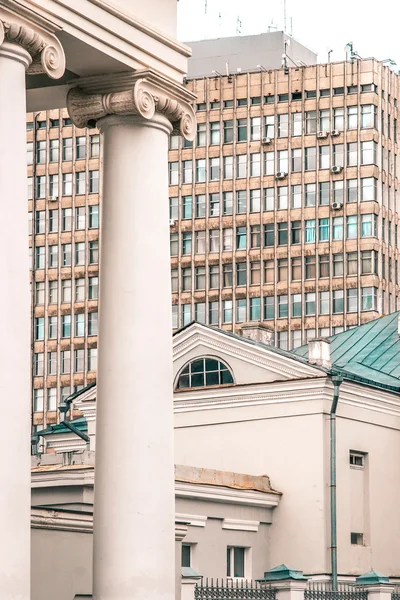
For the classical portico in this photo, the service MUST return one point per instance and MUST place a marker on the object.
(113, 69)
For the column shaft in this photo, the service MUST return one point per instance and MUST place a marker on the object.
(134, 487)
(15, 330)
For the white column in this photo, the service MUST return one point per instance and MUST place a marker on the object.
(15, 489)
(134, 513)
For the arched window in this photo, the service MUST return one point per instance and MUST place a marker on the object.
(202, 372)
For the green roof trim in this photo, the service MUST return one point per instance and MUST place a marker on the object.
(281, 573)
(80, 424)
(372, 578)
(189, 572)
(369, 353)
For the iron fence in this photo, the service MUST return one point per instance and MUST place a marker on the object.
(396, 593)
(322, 590)
(219, 589)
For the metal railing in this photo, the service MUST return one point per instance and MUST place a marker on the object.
(219, 589)
(396, 593)
(323, 590)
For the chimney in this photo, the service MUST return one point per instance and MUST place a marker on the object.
(259, 332)
(319, 353)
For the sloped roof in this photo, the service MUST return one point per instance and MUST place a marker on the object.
(369, 352)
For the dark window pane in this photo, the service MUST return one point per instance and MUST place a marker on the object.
(198, 380)
(183, 381)
(197, 366)
(211, 364)
(212, 378)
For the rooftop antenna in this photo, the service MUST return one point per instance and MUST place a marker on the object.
(329, 55)
(205, 6)
(272, 26)
(284, 16)
(238, 25)
(291, 26)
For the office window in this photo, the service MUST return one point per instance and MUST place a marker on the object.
(255, 164)
(29, 153)
(296, 124)
(173, 209)
(79, 253)
(324, 157)
(41, 187)
(215, 132)
(295, 338)
(324, 303)
(93, 252)
(65, 361)
(283, 340)
(269, 271)
(40, 221)
(80, 147)
(67, 184)
(241, 274)
(368, 225)
(66, 219)
(338, 191)
(368, 116)
(255, 236)
(338, 155)
(67, 149)
(297, 160)
(352, 263)
(369, 188)
(241, 130)
(214, 240)
(369, 298)
(227, 311)
(38, 400)
(323, 265)
(30, 188)
(51, 363)
(187, 242)
(338, 265)
(80, 217)
(338, 119)
(310, 194)
(351, 227)
(324, 230)
(296, 232)
(269, 126)
(310, 303)
(368, 153)
(38, 360)
(269, 307)
(214, 277)
(186, 279)
(174, 280)
(337, 228)
(94, 288)
(79, 325)
(352, 117)
(255, 201)
(94, 141)
(296, 305)
(241, 236)
(79, 289)
(53, 257)
(241, 165)
(255, 273)
(352, 190)
(282, 306)
(309, 231)
(296, 196)
(369, 262)
(240, 310)
(227, 275)
(41, 151)
(269, 199)
(214, 171)
(311, 122)
(269, 163)
(92, 323)
(92, 359)
(324, 193)
(282, 197)
(283, 161)
(310, 268)
(310, 159)
(228, 167)
(199, 242)
(39, 292)
(324, 120)
(255, 309)
(173, 173)
(52, 399)
(66, 326)
(40, 257)
(187, 207)
(80, 182)
(282, 234)
(283, 126)
(66, 290)
(269, 234)
(352, 154)
(94, 216)
(54, 153)
(255, 128)
(228, 132)
(352, 300)
(337, 301)
(93, 182)
(282, 269)
(241, 201)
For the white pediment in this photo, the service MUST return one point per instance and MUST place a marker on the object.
(249, 362)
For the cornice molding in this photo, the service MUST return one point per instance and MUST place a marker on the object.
(193, 520)
(227, 495)
(143, 93)
(42, 45)
(240, 525)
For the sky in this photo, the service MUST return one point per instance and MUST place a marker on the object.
(321, 25)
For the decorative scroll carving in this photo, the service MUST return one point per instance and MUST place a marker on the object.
(47, 55)
(88, 102)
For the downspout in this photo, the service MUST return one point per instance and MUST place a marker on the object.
(336, 380)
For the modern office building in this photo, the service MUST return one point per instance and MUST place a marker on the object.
(284, 210)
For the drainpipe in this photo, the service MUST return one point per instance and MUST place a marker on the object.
(336, 380)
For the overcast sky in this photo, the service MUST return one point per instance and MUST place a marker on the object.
(321, 25)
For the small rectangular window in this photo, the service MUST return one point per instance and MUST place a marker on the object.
(356, 459)
(186, 555)
(311, 94)
(357, 538)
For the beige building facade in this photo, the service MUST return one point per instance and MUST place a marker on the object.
(284, 209)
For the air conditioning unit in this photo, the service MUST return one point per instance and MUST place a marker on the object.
(322, 135)
(337, 169)
(266, 140)
(171, 222)
(337, 205)
(53, 198)
(281, 175)
(335, 132)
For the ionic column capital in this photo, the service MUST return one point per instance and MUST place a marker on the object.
(42, 45)
(143, 93)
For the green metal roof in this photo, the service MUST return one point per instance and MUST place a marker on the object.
(369, 353)
(80, 424)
